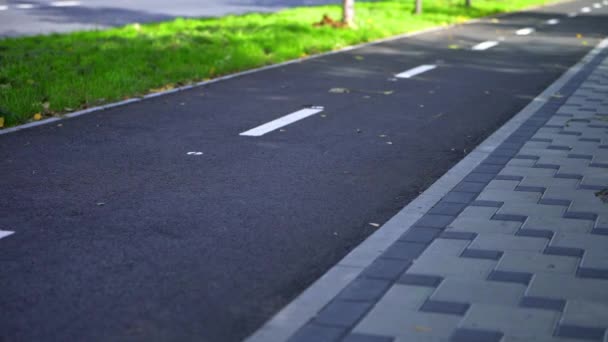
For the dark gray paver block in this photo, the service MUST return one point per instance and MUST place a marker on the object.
(574, 331)
(488, 168)
(479, 177)
(580, 215)
(435, 221)
(356, 337)
(362, 289)
(445, 307)
(485, 203)
(530, 188)
(342, 313)
(509, 178)
(539, 233)
(404, 250)
(553, 201)
(511, 277)
(459, 197)
(588, 272)
(420, 280)
(388, 269)
(421, 234)
(469, 187)
(475, 335)
(509, 217)
(458, 235)
(543, 303)
(316, 332)
(564, 251)
(481, 254)
(447, 208)
(568, 176)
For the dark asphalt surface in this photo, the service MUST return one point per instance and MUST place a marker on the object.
(45, 18)
(207, 248)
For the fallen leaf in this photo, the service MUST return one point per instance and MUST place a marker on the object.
(494, 20)
(603, 195)
(389, 142)
(373, 224)
(585, 42)
(388, 92)
(579, 36)
(359, 58)
(100, 204)
(454, 46)
(37, 116)
(1, 121)
(339, 90)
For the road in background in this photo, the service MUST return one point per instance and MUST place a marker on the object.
(190, 217)
(45, 16)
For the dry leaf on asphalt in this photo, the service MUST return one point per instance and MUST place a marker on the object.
(374, 224)
(339, 90)
(1, 121)
(454, 46)
(359, 58)
(603, 195)
(37, 116)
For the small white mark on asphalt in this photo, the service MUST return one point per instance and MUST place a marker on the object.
(282, 121)
(65, 3)
(194, 153)
(24, 6)
(605, 2)
(552, 21)
(572, 15)
(3, 7)
(524, 31)
(597, 5)
(585, 9)
(416, 71)
(5, 233)
(485, 45)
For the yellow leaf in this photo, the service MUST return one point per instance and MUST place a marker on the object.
(494, 20)
(359, 58)
(37, 116)
(579, 36)
(585, 42)
(1, 121)
(454, 46)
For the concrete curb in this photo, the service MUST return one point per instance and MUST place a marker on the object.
(251, 71)
(312, 300)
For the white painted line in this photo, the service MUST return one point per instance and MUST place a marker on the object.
(3, 8)
(195, 153)
(485, 45)
(524, 31)
(5, 233)
(282, 121)
(65, 3)
(585, 9)
(572, 15)
(24, 6)
(552, 21)
(597, 5)
(416, 71)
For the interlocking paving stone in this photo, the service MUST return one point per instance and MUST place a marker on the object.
(447, 247)
(533, 262)
(510, 276)
(433, 264)
(342, 313)
(482, 226)
(543, 303)
(545, 285)
(404, 250)
(476, 335)
(316, 332)
(478, 291)
(500, 242)
(538, 233)
(362, 289)
(580, 332)
(469, 187)
(389, 269)
(481, 254)
(420, 280)
(512, 321)
(445, 307)
(459, 197)
(446, 208)
(367, 338)
(435, 221)
(420, 234)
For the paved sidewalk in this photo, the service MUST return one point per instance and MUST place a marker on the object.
(518, 251)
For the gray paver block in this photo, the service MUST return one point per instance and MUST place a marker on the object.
(532, 262)
(510, 276)
(367, 338)
(587, 242)
(544, 285)
(424, 280)
(476, 335)
(404, 250)
(459, 197)
(543, 303)
(475, 225)
(522, 322)
(434, 221)
(499, 242)
(558, 224)
(445, 307)
(581, 333)
(478, 291)
(586, 314)
(433, 264)
(508, 196)
(478, 212)
(447, 247)
(446, 208)
(420, 234)
(389, 269)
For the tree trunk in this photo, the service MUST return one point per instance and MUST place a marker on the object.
(467, 3)
(348, 12)
(418, 9)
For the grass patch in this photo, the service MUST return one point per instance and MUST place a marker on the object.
(65, 72)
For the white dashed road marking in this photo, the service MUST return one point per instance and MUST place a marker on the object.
(24, 6)
(5, 233)
(585, 9)
(524, 31)
(416, 71)
(195, 153)
(65, 3)
(552, 21)
(282, 121)
(485, 45)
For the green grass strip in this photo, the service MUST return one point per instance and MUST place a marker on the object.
(60, 73)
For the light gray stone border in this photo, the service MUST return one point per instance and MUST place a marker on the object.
(255, 70)
(297, 313)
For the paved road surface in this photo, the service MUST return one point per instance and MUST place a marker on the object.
(121, 234)
(25, 17)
